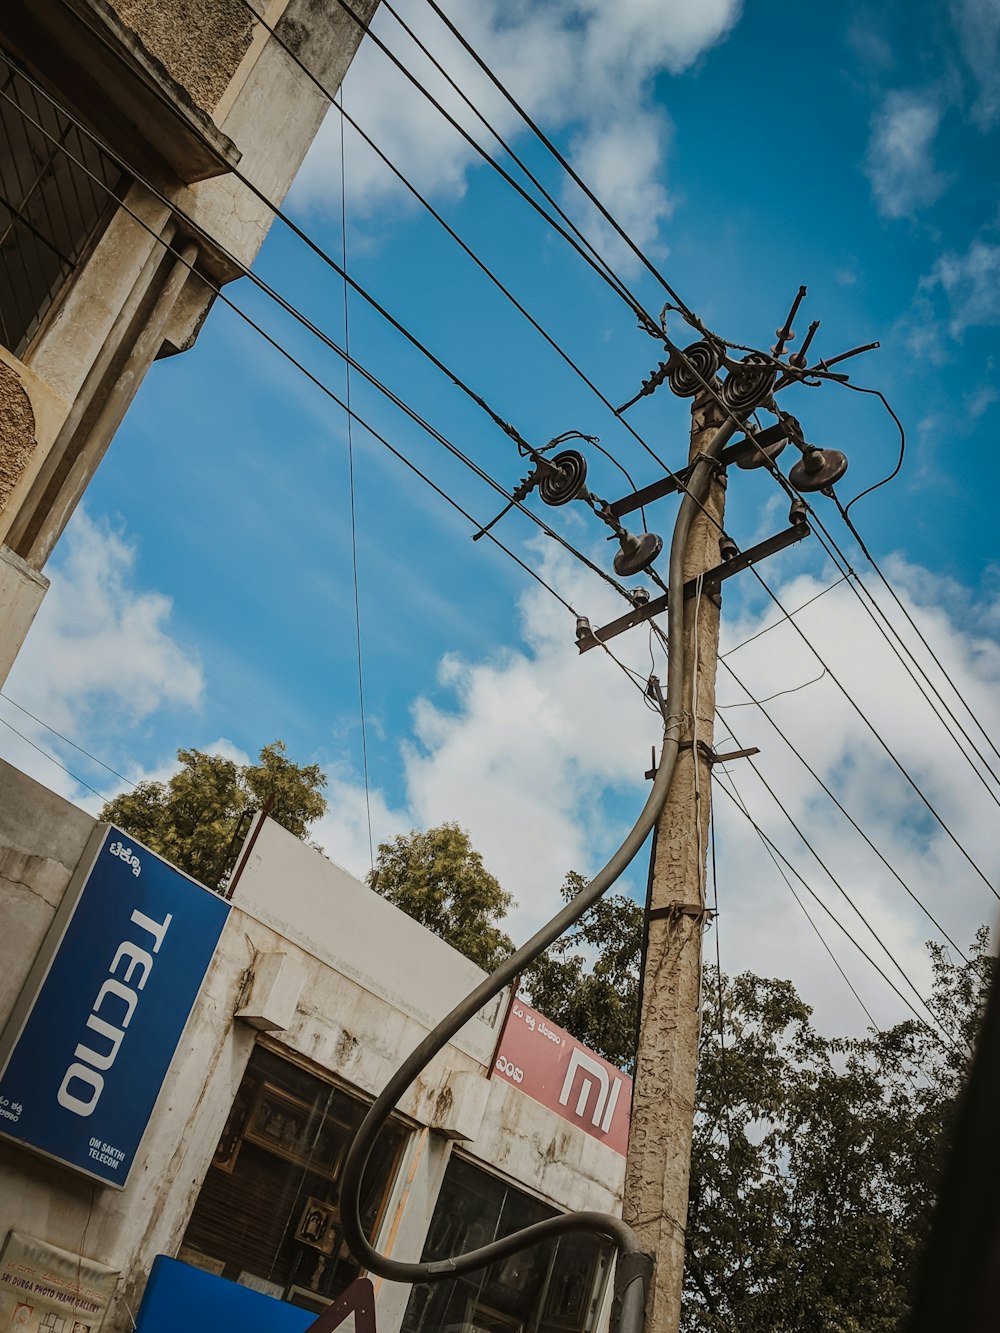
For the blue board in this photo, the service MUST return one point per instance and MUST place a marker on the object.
(178, 1296)
(114, 985)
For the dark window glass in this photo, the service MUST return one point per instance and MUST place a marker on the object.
(551, 1288)
(56, 191)
(268, 1212)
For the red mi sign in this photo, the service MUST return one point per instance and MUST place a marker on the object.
(553, 1068)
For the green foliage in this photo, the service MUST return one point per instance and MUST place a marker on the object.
(191, 818)
(437, 877)
(595, 1001)
(815, 1160)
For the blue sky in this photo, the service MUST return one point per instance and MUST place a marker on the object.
(205, 593)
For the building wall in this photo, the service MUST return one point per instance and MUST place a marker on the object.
(191, 90)
(355, 1019)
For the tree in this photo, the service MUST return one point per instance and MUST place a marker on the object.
(815, 1160)
(191, 819)
(437, 877)
(597, 1002)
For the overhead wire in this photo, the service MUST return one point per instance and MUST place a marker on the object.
(942, 1036)
(821, 862)
(824, 786)
(563, 162)
(884, 745)
(52, 759)
(805, 912)
(907, 659)
(324, 338)
(48, 727)
(353, 502)
(598, 265)
(913, 624)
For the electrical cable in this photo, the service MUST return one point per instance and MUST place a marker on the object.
(805, 912)
(328, 342)
(553, 203)
(353, 500)
(787, 615)
(488, 273)
(836, 882)
(756, 703)
(614, 283)
(850, 818)
(857, 388)
(942, 1037)
(612, 222)
(913, 667)
(882, 742)
(632, 1299)
(916, 628)
(92, 757)
(53, 760)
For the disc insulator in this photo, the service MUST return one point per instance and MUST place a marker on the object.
(748, 385)
(566, 481)
(700, 359)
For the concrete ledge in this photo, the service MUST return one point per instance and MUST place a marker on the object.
(21, 591)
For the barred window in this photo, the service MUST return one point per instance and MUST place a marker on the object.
(555, 1287)
(57, 191)
(268, 1215)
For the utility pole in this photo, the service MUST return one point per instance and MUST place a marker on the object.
(659, 1149)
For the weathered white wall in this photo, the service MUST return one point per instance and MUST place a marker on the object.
(357, 1027)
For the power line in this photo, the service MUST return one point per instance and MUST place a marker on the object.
(93, 757)
(913, 667)
(877, 735)
(786, 615)
(453, 234)
(850, 818)
(53, 760)
(599, 266)
(591, 196)
(942, 1036)
(916, 628)
(353, 498)
(330, 343)
(833, 879)
(805, 912)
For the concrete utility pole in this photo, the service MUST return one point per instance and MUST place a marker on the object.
(659, 1149)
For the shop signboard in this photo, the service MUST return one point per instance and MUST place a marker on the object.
(92, 1036)
(553, 1068)
(43, 1287)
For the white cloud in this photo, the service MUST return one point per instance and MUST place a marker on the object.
(575, 65)
(900, 164)
(978, 24)
(971, 284)
(99, 645)
(539, 753)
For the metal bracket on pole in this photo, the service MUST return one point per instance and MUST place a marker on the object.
(743, 448)
(673, 910)
(710, 582)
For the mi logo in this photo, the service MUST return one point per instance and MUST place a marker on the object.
(593, 1077)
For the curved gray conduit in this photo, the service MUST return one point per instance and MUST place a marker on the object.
(634, 1266)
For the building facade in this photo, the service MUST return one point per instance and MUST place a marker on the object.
(123, 124)
(303, 994)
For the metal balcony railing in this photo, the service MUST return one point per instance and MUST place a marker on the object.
(51, 208)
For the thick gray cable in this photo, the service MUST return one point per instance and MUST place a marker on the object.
(631, 1314)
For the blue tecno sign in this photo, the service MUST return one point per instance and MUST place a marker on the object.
(89, 1046)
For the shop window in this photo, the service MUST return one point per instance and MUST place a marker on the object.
(553, 1288)
(56, 192)
(268, 1213)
